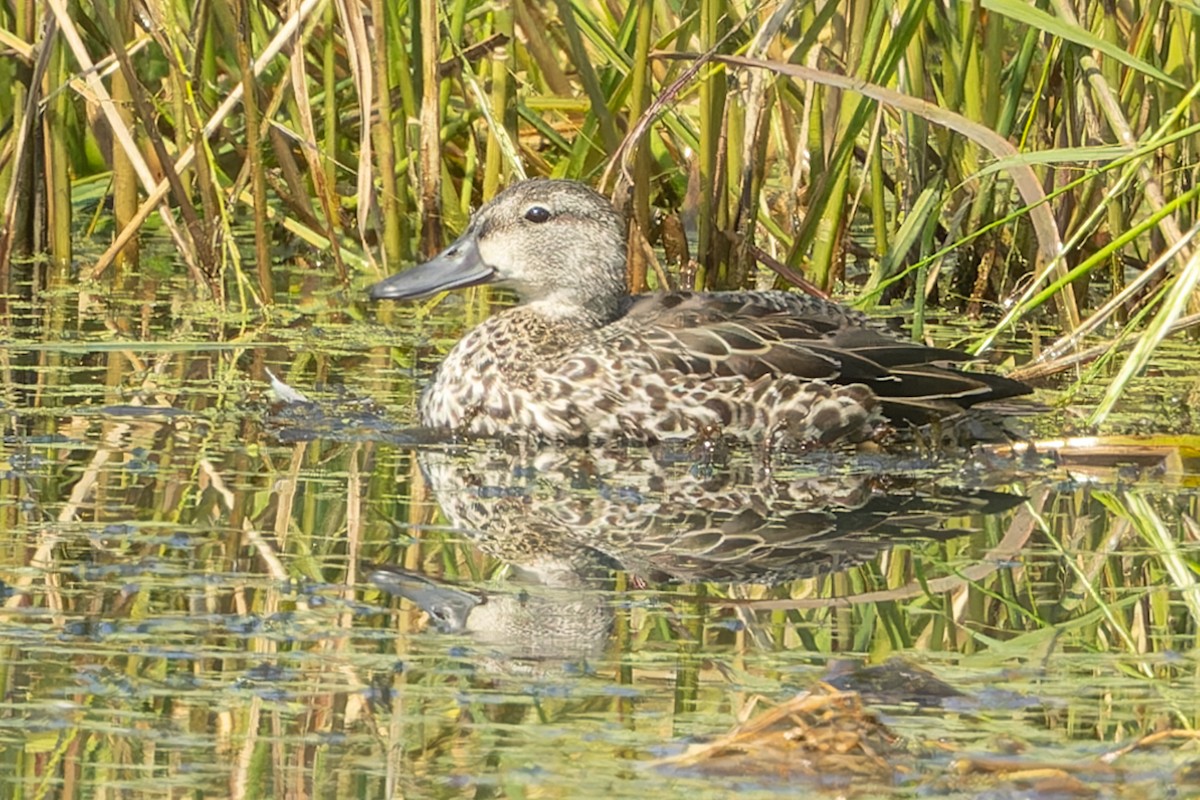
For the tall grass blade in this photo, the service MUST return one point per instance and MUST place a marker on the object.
(1071, 31)
(1174, 304)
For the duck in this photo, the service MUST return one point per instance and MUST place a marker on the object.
(579, 358)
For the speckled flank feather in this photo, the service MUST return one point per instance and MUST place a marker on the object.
(579, 358)
(516, 372)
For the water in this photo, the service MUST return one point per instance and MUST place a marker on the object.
(208, 595)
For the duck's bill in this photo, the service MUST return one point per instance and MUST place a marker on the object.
(447, 606)
(456, 267)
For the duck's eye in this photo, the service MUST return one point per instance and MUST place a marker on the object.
(538, 214)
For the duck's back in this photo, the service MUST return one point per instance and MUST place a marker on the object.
(765, 336)
(678, 364)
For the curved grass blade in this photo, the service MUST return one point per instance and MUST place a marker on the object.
(1024, 178)
(1174, 304)
(1034, 17)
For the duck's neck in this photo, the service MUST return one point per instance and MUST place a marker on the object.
(595, 314)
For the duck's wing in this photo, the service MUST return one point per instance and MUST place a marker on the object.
(759, 333)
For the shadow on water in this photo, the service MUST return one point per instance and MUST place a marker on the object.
(205, 598)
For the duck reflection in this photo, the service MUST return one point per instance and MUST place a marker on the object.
(566, 520)
(520, 628)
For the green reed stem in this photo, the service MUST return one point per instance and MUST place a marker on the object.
(639, 101)
(500, 100)
(329, 105)
(431, 129)
(125, 181)
(454, 33)
(384, 141)
(254, 154)
(712, 108)
(861, 45)
(58, 176)
(578, 55)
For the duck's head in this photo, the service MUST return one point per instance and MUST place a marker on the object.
(559, 245)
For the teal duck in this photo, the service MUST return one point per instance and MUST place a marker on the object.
(579, 358)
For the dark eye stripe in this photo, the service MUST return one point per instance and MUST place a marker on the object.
(537, 214)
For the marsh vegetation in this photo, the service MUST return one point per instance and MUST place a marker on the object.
(196, 193)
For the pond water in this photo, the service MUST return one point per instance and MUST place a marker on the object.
(208, 595)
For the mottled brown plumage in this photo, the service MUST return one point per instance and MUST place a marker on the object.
(579, 358)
